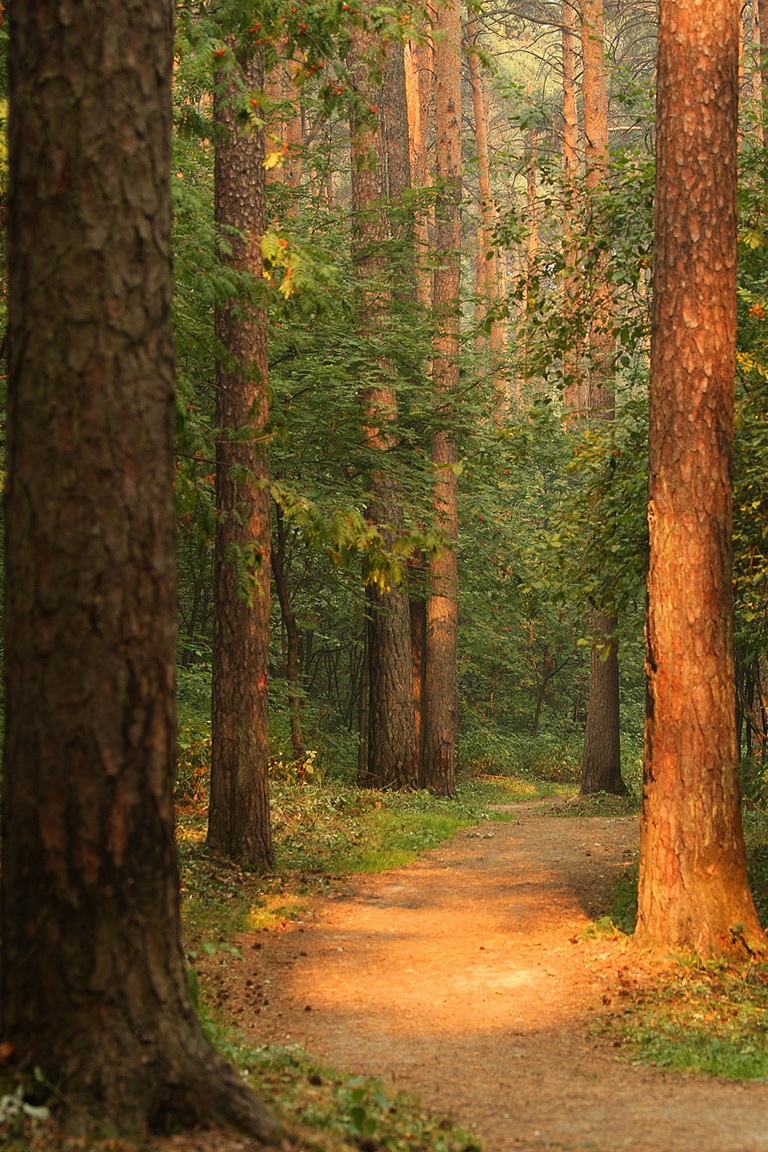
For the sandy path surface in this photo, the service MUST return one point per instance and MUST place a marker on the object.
(463, 979)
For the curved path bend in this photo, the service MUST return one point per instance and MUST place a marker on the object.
(463, 979)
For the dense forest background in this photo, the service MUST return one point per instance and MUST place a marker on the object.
(551, 496)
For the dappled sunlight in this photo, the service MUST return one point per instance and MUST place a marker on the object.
(470, 941)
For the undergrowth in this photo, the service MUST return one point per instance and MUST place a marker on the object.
(358, 1110)
(324, 831)
(694, 1015)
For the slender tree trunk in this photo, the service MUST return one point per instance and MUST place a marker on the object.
(762, 37)
(238, 823)
(440, 715)
(419, 85)
(601, 757)
(391, 731)
(93, 989)
(527, 256)
(488, 289)
(693, 885)
(574, 396)
(292, 664)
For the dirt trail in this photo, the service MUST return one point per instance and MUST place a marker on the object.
(461, 978)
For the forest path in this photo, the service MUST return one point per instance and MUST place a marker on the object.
(461, 978)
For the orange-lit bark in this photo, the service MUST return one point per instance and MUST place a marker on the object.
(574, 395)
(762, 38)
(419, 91)
(487, 273)
(440, 718)
(391, 740)
(693, 886)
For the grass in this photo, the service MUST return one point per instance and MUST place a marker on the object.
(693, 1015)
(322, 832)
(356, 1111)
(696, 1017)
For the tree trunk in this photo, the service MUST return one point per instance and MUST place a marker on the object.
(440, 711)
(292, 664)
(762, 36)
(601, 757)
(574, 395)
(419, 81)
(488, 276)
(93, 989)
(693, 886)
(238, 823)
(391, 731)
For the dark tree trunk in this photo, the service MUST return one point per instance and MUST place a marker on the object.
(93, 987)
(601, 758)
(417, 612)
(292, 665)
(238, 824)
(693, 886)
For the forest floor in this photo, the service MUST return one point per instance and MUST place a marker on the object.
(473, 978)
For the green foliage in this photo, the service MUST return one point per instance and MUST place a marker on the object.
(321, 830)
(357, 1110)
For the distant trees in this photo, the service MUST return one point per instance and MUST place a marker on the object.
(693, 886)
(93, 989)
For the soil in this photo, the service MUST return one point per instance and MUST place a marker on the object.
(466, 979)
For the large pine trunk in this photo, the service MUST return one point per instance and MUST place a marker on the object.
(391, 734)
(693, 886)
(440, 701)
(93, 988)
(238, 823)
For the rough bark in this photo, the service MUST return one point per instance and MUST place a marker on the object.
(440, 705)
(693, 885)
(238, 823)
(391, 742)
(601, 760)
(93, 987)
